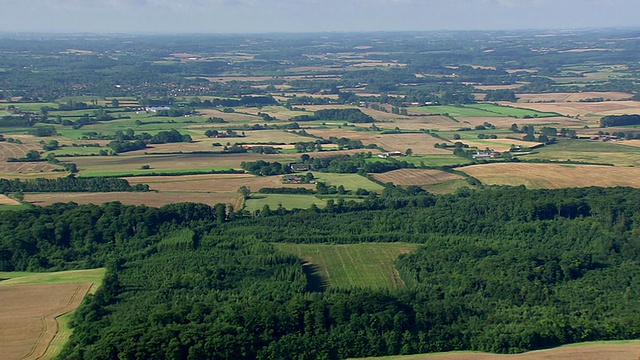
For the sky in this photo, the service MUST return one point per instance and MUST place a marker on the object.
(293, 16)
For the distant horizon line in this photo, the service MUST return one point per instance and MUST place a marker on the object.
(198, 33)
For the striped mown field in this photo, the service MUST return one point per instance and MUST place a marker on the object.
(366, 265)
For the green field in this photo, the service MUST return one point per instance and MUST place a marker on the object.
(436, 160)
(349, 181)
(616, 153)
(14, 207)
(258, 201)
(368, 265)
(9, 278)
(482, 110)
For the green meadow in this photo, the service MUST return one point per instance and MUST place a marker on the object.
(9, 278)
(369, 265)
(287, 201)
(349, 181)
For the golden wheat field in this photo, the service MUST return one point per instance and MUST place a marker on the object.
(554, 176)
(28, 316)
(419, 143)
(212, 183)
(590, 351)
(418, 177)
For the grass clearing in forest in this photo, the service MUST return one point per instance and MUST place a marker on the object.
(366, 265)
(274, 201)
(37, 308)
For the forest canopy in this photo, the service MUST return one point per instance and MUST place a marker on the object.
(503, 270)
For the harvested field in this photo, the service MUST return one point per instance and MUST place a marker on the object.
(583, 108)
(506, 122)
(12, 150)
(613, 350)
(213, 183)
(501, 145)
(418, 177)
(422, 122)
(554, 176)
(123, 164)
(419, 143)
(572, 97)
(231, 117)
(151, 199)
(498, 87)
(28, 313)
(5, 200)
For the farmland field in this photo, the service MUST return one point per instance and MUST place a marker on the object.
(349, 181)
(353, 266)
(11, 150)
(5, 200)
(619, 153)
(584, 109)
(420, 177)
(213, 183)
(572, 97)
(32, 305)
(554, 176)
(127, 164)
(605, 350)
(274, 201)
(154, 199)
(482, 110)
(419, 143)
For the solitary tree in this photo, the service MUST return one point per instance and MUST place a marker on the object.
(244, 191)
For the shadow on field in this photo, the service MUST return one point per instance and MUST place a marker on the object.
(315, 281)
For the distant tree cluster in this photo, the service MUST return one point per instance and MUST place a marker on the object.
(348, 115)
(69, 184)
(619, 120)
(265, 168)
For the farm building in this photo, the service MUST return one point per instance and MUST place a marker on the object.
(390, 154)
(292, 179)
(488, 154)
(300, 167)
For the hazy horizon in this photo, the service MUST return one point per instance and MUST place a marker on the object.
(309, 16)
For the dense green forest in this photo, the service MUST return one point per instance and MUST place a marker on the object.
(501, 269)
